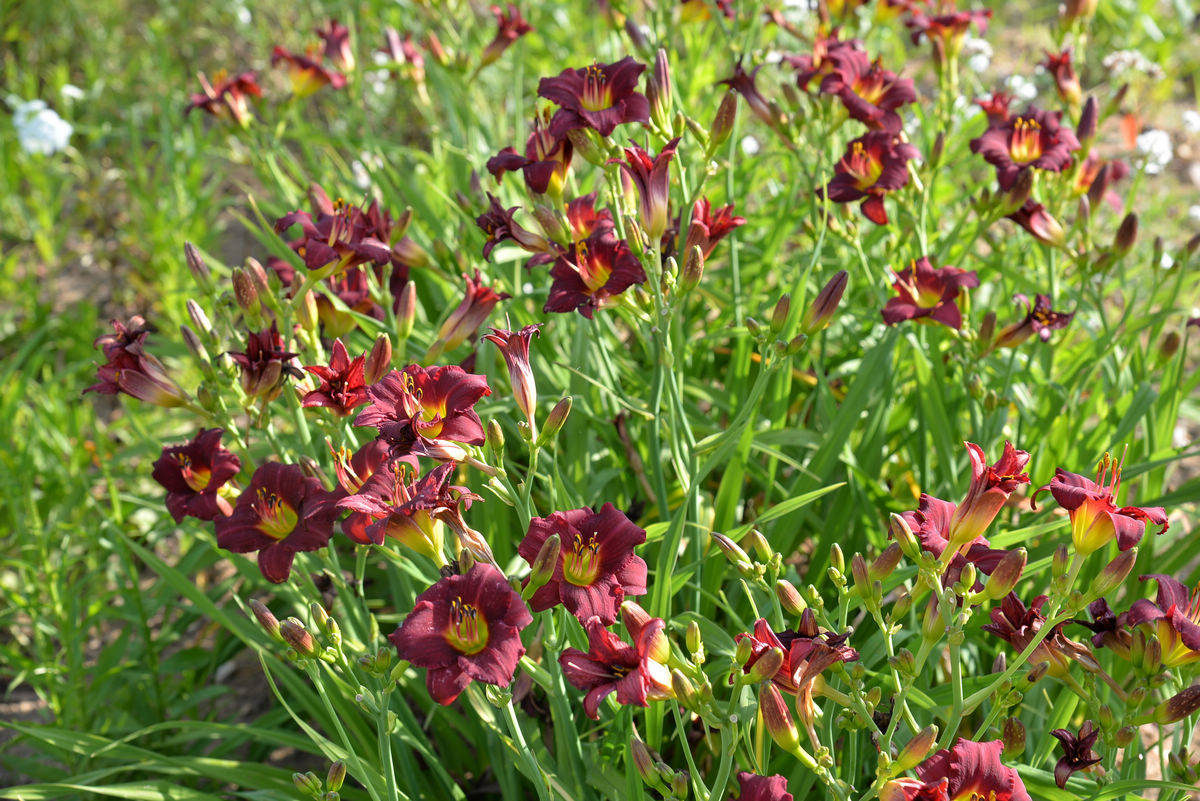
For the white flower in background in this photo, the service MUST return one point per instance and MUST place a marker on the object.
(1155, 147)
(242, 13)
(1191, 120)
(1122, 62)
(750, 145)
(39, 128)
(1166, 262)
(72, 92)
(978, 54)
(1021, 87)
(1194, 213)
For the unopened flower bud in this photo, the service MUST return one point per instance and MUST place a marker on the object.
(1013, 738)
(1006, 574)
(659, 92)
(693, 270)
(544, 563)
(743, 651)
(644, 762)
(319, 615)
(754, 328)
(987, 330)
(758, 543)
(722, 125)
(679, 784)
(199, 318)
(778, 719)
(1169, 345)
(902, 606)
(1156, 255)
(335, 776)
(1124, 736)
(1108, 720)
(733, 552)
(1178, 706)
(1126, 234)
(1037, 673)
(683, 688)
(1085, 131)
(885, 563)
(586, 147)
(766, 666)
(244, 292)
(1015, 197)
(904, 662)
(265, 619)
(903, 534)
(779, 314)
(1152, 655)
(295, 635)
(789, 597)
(555, 421)
(819, 314)
(193, 342)
(196, 265)
(862, 582)
(406, 310)
(307, 783)
(1114, 574)
(1058, 567)
(379, 360)
(931, 624)
(306, 312)
(1137, 697)
(837, 559)
(916, 749)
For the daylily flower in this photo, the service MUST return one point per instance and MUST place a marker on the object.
(1065, 80)
(510, 26)
(1018, 625)
(352, 471)
(819, 63)
(591, 273)
(601, 96)
(281, 512)
(647, 182)
(419, 410)
(968, 770)
(1095, 518)
(497, 222)
(990, 487)
(193, 473)
(337, 232)
(464, 628)
(1033, 139)
(306, 73)
(762, 788)
(1108, 630)
(130, 369)
(335, 39)
(264, 364)
(874, 164)
(225, 97)
(637, 673)
(1039, 319)
(1033, 217)
(1096, 175)
(1077, 751)
(946, 31)
(931, 525)
(996, 106)
(743, 83)
(514, 347)
(1174, 617)
(342, 388)
(394, 503)
(925, 291)
(478, 302)
(584, 219)
(597, 566)
(545, 163)
(709, 227)
(870, 93)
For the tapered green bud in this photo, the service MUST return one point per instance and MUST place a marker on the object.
(295, 635)
(886, 562)
(265, 619)
(1006, 574)
(1114, 574)
(915, 751)
(336, 775)
(778, 719)
(555, 421)
(766, 666)
(543, 566)
(1013, 738)
(789, 597)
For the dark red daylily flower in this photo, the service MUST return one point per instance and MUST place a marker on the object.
(394, 503)
(193, 473)
(1108, 629)
(743, 83)
(1065, 80)
(1034, 139)
(1033, 217)
(762, 788)
(1174, 617)
(874, 164)
(1077, 751)
(931, 525)
(709, 227)
(968, 770)
(335, 40)
(1095, 517)
(226, 97)
(585, 219)
(339, 233)
(510, 26)
(464, 628)
(647, 182)
(306, 73)
(497, 222)
(591, 273)
(478, 302)
(130, 369)
(424, 410)
(1018, 625)
(990, 487)
(925, 291)
(819, 63)
(996, 106)
(1039, 319)
(597, 567)
(342, 388)
(946, 31)
(281, 512)
(352, 471)
(637, 673)
(601, 97)
(545, 163)
(264, 364)
(807, 653)
(870, 93)
(1096, 175)
(514, 347)
(700, 10)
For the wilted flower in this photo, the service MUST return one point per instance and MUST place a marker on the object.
(265, 364)
(1033, 217)
(335, 39)
(925, 291)
(1039, 319)
(1065, 80)
(874, 164)
(870, 93)
(1174, 617)
(1095, 518)
(226, 97)
(1077, 751)
(990, 487)
(742, 82)
(709, 227)
(131, 370)
(545, 163)
(417, 410)
(637, 673)
(591, 273)
(510, 26)
(193, 473)
(342, 388)
(967, 770)
(463, 628)
(514, 347)
(647, 183)
(477, 303)
(597, 566)
(601, 97)
(306, 73)
(1033, 139)
(497, 222)
(281, 512)
(762, 788)
(337, 232)
(1018, 625)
